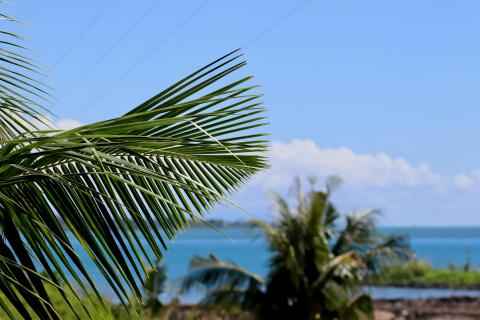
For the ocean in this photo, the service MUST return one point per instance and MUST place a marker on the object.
(247, 247)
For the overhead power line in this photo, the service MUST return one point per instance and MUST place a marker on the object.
(249, 43)
(112, 45)
(275, 24)
(82, 35)
(147, 55)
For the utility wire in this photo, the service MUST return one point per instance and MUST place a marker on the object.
(112, 45)
(82, 34)
(248, 44)
(274, 25)
(147, 55)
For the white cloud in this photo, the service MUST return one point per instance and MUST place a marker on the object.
(463, 181)
(67, 124)
(304, 157)
(45, 122)
(61, 124)
(408, 193)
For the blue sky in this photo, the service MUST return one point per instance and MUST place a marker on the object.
(383, 93)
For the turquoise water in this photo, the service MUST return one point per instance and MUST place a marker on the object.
(247, 247)
(244, 246)
(442, 246)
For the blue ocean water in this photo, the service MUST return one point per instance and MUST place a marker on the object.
(443, 246)
(247, 247)
(244, 246)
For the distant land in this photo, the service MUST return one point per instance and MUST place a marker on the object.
(219, 223)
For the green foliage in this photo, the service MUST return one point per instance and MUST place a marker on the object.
(421, 274)
(226, 283)
(315, 270)
(176, 311)
(120, 187)
(467, 266)
(85, 308)
(154, 285)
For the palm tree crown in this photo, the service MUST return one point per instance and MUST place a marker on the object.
(120, 187)
(316, 268)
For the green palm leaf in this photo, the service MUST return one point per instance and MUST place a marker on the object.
(212, 272)
(121, 187)
(225, 282)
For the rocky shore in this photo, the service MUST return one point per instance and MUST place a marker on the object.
(461, 308)
(453, 308)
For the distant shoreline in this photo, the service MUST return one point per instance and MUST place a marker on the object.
(474, 287)
(219, 223)
(249, 223)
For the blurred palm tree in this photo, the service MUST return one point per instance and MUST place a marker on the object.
(316, 269)
(119, 188)
(154, 285)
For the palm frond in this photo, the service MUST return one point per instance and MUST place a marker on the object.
(216, 275)
(358, 231)
(21, 95)
(123, 187)
(155, 281)
(344, 267)
(359, 307)
(387, 251)
(226, 296)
